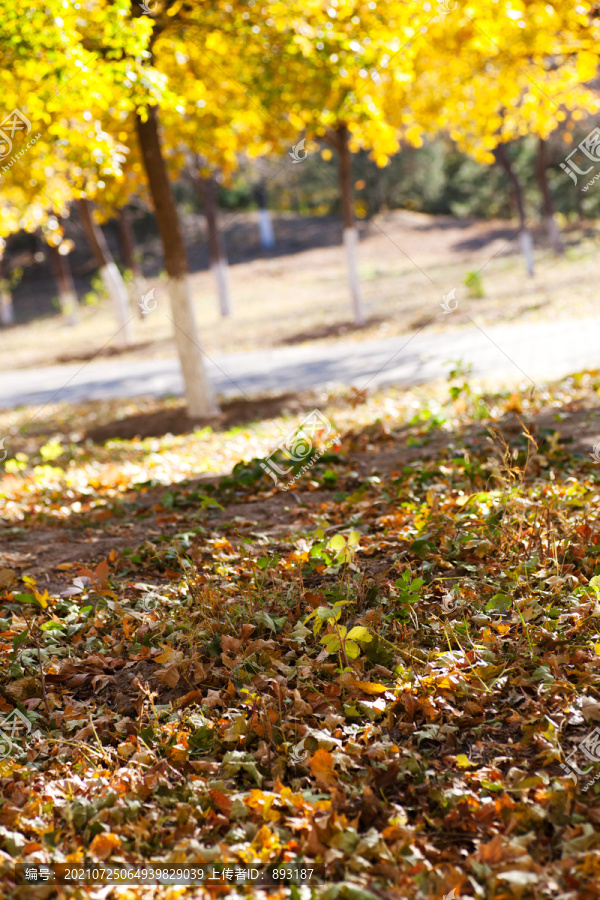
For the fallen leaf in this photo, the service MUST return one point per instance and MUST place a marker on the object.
(104, 844)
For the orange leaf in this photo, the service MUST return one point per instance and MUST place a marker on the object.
(321, 765)
(168, 656)
(222, 802)
(493, 851)
(102, 572)
(103, 845)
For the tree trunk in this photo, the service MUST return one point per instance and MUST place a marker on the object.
(207, 190)
(265, 226)
(112, 278)
(350, 230)
(541, 172)
(7, 315)
(128, 255)
(198, 389)
(67, 294)
(525, 239)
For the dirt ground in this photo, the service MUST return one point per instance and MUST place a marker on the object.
(298, 293)
(50, 553)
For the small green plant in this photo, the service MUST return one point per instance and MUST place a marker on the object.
(347, 644)
(457, 373)
(10, 283)
(337, 550)
(428, 418)
(97, 294)
(408, 592)
(474, 283)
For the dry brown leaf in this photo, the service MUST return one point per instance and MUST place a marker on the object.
(7, 578)
(230, 644)
(169, 675)
(188, 699)
(493, 851)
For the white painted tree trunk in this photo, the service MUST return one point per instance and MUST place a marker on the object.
(351, 245)
(198, 389)
(138, 288)
(69, 307)
(117, 290)
(267, 235)
(7, 315)
(526, 242)
(553, 232)
(220, 272)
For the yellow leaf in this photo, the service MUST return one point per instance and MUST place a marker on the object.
(369, 687)
(463, 761)
(42, 599)
(168, 656)
(126, 749)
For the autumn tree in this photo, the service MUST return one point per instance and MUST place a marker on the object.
(312, 69)
(490, 73)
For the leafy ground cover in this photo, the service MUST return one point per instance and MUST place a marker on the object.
(378, 672)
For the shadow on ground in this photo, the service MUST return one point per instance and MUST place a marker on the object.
(237, 412)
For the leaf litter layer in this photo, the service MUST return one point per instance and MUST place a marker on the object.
(388, 672)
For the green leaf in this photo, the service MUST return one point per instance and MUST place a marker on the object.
(27, 598)
(499, 601)
(17, 641)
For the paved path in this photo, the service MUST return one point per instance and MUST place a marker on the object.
(521, 352)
